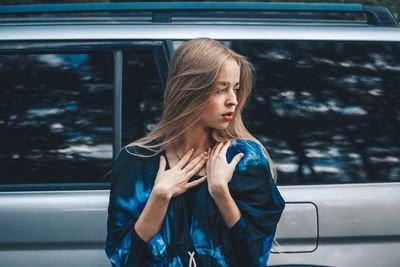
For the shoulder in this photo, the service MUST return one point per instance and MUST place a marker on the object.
(253, 152)
(134, 159)
(136, 153)
(247, 146)
(132, 170)
(252, 174)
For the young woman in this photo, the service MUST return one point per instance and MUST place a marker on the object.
(199, 189)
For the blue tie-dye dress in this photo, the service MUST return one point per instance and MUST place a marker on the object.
(247, 243)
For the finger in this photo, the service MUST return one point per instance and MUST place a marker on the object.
(162, 163)
(196, 182)
(184, 159)
(194, 162)
(196, 168)
(225, 147)
(219, 148)
(213, 149)
(216, 149)
(236, 159)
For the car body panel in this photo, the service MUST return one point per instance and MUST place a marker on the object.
(74, 223)
(358, 225)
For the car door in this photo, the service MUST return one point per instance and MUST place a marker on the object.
(61, 123)
(326, 106)
(328, 111)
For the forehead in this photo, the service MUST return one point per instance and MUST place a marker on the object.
(230, 72)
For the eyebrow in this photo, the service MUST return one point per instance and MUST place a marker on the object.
(225, 83)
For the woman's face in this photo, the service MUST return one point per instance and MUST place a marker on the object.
(222, 102)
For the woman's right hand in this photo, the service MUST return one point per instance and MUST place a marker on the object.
(173, 182)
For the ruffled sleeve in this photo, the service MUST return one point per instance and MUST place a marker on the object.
(128, 196)
(260, 204)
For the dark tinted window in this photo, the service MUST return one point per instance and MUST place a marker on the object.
(142, 94)
(328, 112)
(55, 117)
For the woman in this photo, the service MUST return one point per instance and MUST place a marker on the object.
(199, 189)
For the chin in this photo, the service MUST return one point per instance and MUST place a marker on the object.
(218, 124)
(221, 126)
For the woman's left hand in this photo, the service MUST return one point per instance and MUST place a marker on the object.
(219, 171)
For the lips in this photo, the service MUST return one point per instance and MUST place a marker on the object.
(228, 116)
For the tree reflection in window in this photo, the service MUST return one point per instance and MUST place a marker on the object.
(55, 117)
(328, 112)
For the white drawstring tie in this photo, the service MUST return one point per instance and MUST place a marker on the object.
(191, 254)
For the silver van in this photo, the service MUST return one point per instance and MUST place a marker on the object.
(79, 81)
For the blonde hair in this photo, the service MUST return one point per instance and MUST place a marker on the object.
(195, 67)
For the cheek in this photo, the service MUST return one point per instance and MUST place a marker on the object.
(211, 111)
(212, 108)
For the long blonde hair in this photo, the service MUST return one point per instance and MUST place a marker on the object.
(195, 67)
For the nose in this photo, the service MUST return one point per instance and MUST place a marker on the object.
(232, 98)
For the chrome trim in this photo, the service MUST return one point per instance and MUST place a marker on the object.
(117, 99)
(182, 31)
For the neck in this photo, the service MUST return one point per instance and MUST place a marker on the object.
(196, 138)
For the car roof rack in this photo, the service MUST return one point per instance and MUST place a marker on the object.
(162, 12)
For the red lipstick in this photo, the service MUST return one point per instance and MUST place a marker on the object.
(228, 116)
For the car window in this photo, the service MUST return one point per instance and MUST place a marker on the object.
(327, 111)
(142, 95)
(55, 117)
(58, 110)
